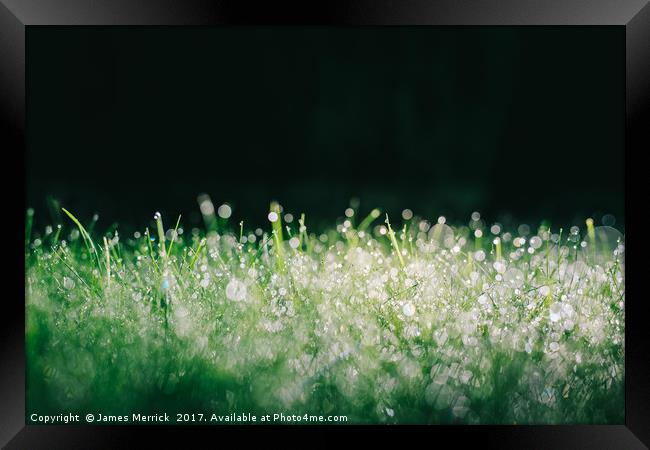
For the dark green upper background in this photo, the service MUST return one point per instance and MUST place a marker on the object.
(527, 121)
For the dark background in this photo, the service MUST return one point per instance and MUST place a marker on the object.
(526, 122)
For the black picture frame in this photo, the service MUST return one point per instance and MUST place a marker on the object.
(17, 15)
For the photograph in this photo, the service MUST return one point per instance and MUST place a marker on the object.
(325, 225)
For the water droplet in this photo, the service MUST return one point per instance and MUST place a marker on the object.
(68, 283)
(514, 277)
(224, 211)
(235, 290)
(555, 312)
(499, 266)
(536, 242)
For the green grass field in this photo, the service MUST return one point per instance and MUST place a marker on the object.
(411, 321)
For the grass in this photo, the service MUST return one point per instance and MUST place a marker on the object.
(423, 323)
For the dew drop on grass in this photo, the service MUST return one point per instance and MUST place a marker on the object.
(235, 290)
(294, 242)
(499, 266)
(514, 277)
(535, 242)
(224, 211)
(68, 283)
(273, 216)
(555, 312)
(408, 309)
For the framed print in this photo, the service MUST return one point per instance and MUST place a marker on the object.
(323, 218)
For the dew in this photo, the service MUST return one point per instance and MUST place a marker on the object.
(442, 235)
(440, 336)
(349, 212)
(499, 266)
(181, 311)
(408, 309)
(431, 393)
(235, 290)
(460, 408)
(205, 205)
(555, 312)
(523, 229)
(565, 309)
(535, 242)
(608, 220)
(514, 277)
(273, 217)
(68, 283)
(224, 211)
